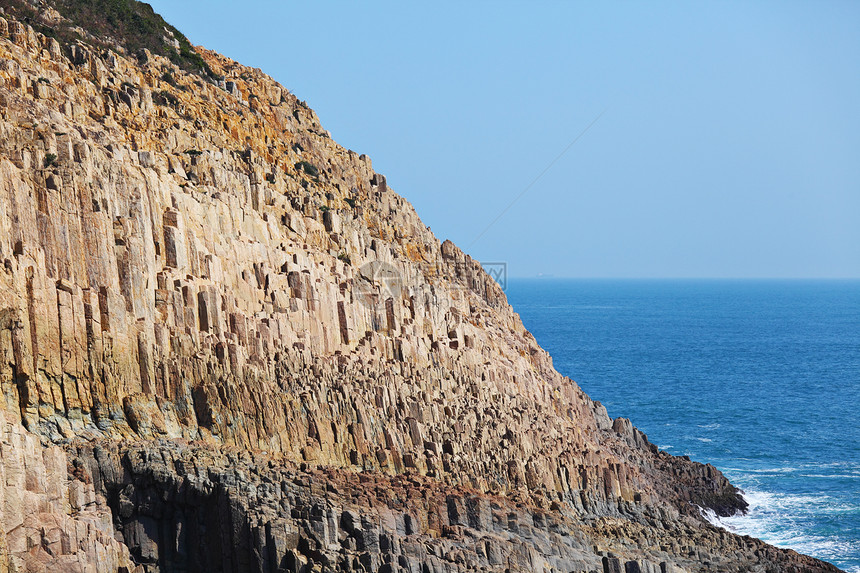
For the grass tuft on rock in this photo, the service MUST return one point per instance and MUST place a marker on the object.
(123, 25)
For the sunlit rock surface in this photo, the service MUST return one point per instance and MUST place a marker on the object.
(235, 348)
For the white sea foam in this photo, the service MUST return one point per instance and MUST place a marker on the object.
(777, 519)
(711, 517)
(842, 464)
(762, 471)
(709, 426)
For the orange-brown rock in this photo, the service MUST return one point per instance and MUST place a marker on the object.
(199, 265)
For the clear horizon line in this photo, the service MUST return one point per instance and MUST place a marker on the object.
(728, 278)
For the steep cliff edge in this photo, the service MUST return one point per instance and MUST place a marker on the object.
(259, 358)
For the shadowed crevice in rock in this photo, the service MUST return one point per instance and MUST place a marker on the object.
(191, 508)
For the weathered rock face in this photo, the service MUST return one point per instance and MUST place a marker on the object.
(199, 508)
(202, 265)
(52, 518)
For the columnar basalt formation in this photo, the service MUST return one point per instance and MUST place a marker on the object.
(52, 518)
(244, 338)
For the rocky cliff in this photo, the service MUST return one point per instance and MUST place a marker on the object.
(227, 345)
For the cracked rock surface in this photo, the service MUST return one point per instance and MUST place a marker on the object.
(227, 345)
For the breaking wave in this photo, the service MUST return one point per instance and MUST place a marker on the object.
(781, 520)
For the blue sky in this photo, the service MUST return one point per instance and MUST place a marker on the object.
(729, 146)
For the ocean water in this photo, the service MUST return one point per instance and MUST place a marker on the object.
(759, 378)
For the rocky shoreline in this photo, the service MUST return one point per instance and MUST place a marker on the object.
(227, 345)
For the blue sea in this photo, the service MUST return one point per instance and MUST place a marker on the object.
(759, 378)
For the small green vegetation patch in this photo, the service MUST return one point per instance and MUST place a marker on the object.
(308, 168)
(165, 98)
(127, 23)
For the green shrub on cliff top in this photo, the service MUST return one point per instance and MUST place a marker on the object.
(127, 23)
